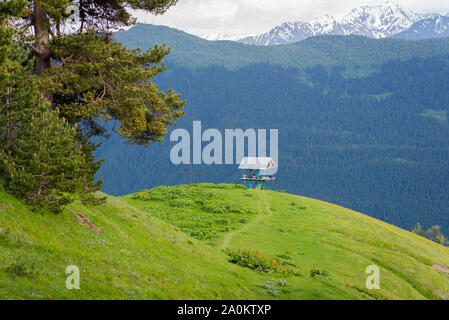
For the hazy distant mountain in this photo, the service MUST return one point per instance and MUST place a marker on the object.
(218, 37)
(435, 27)
(380, 21)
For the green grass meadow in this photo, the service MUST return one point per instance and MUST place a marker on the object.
(211, 241)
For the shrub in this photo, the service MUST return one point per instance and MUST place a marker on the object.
(215, 208)
(317, 272)
(203, 234)
(284, 256)
(368, 292)
(259, 262)
(234, 208)
(222, 221)
(181, 203)
(251, 259)
(23, 266)
(4, 234)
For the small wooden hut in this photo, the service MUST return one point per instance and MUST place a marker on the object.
(257, 169)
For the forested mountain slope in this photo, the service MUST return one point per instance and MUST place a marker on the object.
(362, 123)
(193, 52)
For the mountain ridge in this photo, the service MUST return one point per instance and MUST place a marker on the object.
(356, 124)
(328, 50)
(381, 21)
(434, 27)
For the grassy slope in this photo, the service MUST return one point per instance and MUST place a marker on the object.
(315, 233)
(138, 255)
(135, 257)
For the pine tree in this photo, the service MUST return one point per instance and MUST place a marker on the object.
(16, 88)
(418, 230)
(45, 165)
(83, 76)
(90, 78)
(435, 235)
(41, 159)
(98, 79)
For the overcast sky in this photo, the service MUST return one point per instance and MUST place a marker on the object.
(239, 18)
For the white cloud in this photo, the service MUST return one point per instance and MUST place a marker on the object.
(238, 18)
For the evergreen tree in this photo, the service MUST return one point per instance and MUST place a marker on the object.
(90, 78)
(418, 230)
(56, 87)
(41, 159)
(435, 235)
(16, 89)
(45, 165)
(98, 79)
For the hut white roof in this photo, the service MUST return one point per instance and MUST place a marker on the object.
(257, 163)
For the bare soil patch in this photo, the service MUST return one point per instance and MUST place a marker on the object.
(82, 219)
(441, 268)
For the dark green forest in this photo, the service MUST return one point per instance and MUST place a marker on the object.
(359, 54)
(377, 143)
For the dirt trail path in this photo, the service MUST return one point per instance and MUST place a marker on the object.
(264, 213)
(441, 268)
(83, 220)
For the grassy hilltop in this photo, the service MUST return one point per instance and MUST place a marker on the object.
(213, 242)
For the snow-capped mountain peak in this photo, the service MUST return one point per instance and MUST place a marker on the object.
(433, 27)
(379, 21)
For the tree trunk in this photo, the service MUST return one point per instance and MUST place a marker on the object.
(42, 54)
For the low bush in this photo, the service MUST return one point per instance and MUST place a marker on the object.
(23, 266)
(317, 272)
(259, 262)
(181, 203)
